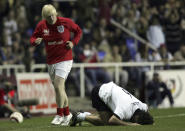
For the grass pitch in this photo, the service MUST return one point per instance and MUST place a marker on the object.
(172, 119)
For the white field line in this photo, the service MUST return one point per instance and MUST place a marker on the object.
(169, 116)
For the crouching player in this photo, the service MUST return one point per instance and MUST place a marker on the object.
(115, 106)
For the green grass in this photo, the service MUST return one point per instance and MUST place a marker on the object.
(164, 123)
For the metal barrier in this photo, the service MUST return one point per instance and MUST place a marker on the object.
(82, 66)
(8, 68)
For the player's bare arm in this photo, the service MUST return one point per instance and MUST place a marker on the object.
(107, 118)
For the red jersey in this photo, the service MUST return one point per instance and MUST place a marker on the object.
(55, 37)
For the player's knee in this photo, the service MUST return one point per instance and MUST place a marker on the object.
(59, 87)
(58, 84)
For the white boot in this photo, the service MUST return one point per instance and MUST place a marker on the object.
(57, 120)
(66, 120)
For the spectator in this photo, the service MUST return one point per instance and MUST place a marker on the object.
(173, 31)
(118, 5)
(125, 54)
(142, 26)
(116, 57)
(9, 56)
(10, 26)
(4, 10)
(29, 59)
(96, 75)
(183, 28)
(154, 94)
(142, 54)
(104, 10)
(5, 107)
(180, 55)
(118, 15)
(87, 31)
(138, 73)
(89, 12)
(2, 56)
(88, 55)
(155, 33)
(130, 20)
(154, 56)
(9, 101)
(165, 55)
(18, 52)
(135, 8)
(102, 27)
(74, 16)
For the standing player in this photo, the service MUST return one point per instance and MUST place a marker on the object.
(115, 106)
(55, 32)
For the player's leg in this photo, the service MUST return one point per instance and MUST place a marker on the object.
(61, 71)
(58, 85)
(103, 111)
(167, 93)
(78, 117)
(101, 118)
(59, 116)
(94, 119)
(106, 118)
(91, 73)
(62, 99)
(61, 96)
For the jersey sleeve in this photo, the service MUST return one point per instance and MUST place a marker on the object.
(36, 34)
(76, 30)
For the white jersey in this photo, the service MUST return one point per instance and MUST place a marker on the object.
(121, 102)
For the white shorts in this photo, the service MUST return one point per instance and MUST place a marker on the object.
(61, 69)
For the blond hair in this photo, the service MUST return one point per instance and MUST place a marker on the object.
(48, 10)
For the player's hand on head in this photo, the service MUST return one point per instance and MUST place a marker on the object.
(38, 40)
(69, 44)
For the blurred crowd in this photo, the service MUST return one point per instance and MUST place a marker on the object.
(161, 22)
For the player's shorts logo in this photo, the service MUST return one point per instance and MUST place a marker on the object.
(60, 28)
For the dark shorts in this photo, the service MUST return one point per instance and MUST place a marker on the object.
(97, 102)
